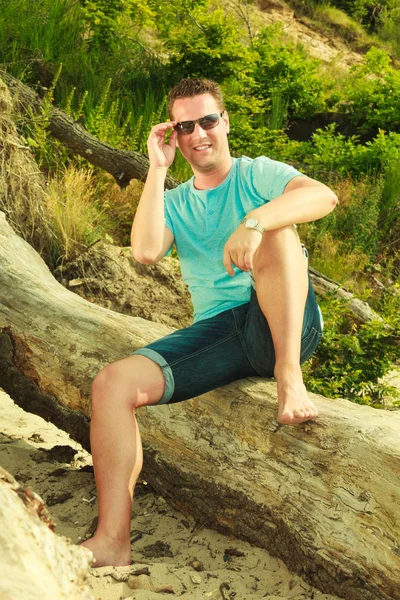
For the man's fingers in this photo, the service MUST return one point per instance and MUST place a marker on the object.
(240, 249)
(242, 260)
(228, 262)
(161, 151)
(173, 138)
(163, 126)
(248, 260)
(159, 131)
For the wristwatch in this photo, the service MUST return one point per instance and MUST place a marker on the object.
(251, 223)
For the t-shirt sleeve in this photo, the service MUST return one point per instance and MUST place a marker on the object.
(270, 177)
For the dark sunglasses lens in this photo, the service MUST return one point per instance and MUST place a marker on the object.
(185, 128)
(209, 121)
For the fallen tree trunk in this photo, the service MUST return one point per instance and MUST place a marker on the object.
(323, 496)
(36, 563)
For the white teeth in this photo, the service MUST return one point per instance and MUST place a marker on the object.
(202, 147)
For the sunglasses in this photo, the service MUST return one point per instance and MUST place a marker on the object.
(206, 123)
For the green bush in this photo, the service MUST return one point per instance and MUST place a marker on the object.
(205, 44)
(333, 151)
(372, 93)
(351, 358)
(371, 13)
(285, 71)
(105, 18)
(347, 156)
(37, 36)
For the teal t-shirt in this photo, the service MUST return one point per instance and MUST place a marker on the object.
(203, 220)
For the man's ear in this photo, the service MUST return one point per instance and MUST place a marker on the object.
(226, 119)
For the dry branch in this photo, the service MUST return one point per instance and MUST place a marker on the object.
(361, 310)
(123, 165)
(35, 563)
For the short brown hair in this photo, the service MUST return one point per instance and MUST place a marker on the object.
(194, 86)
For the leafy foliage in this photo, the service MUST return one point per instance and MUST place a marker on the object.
(351, 358)
(371, 13)
(205, 44)
(372, 93)
(285, 69)
(104, 18)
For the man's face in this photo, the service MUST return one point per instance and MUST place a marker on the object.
(204, 150)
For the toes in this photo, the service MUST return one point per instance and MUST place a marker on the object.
(286, 417)
(300, 413)
(304, 414)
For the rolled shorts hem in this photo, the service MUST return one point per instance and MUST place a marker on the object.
(165, 368)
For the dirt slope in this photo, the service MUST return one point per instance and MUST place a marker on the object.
(330, 49)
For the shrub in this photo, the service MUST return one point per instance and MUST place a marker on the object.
(371, 13)
(335, 152)
(372, 93)
(206, 44)
(284, 70)
(331, 151)
(351, 358)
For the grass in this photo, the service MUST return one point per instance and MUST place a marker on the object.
(75, 216)
(331, 20)
(338, 21)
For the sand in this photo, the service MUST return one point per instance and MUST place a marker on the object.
(183, 558)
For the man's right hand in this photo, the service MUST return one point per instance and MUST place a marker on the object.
(160, 153)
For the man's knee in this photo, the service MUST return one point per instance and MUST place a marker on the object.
(277, 246)
(283, 235)
(136, 381)
(104, 380)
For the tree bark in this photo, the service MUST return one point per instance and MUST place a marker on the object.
(36, 563)
(123, 165)
(323, 496)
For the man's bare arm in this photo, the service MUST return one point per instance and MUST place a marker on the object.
(303, 200)
(150, 238)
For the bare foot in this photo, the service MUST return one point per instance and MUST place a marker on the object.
(294, 405)
(108, 552)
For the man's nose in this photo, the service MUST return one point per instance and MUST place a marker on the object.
(199, 131)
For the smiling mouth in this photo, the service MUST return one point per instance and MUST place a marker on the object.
(202, 147)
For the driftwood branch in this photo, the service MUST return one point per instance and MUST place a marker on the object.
(123, 165)
(361, 310)
(323, 496)
(36, 563)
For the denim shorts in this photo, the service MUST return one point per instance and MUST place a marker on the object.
(232, 345)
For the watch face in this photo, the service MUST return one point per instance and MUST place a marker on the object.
(251, 223)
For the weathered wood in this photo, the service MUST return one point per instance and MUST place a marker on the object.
(123, 165)
(323, 496)
(35, 563)
(361, 310)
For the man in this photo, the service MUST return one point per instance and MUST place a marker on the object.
(255, 311)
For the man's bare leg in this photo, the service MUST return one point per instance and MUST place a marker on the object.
(282, 285)
(116, 448)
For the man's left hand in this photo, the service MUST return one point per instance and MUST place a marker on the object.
(240, 249)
